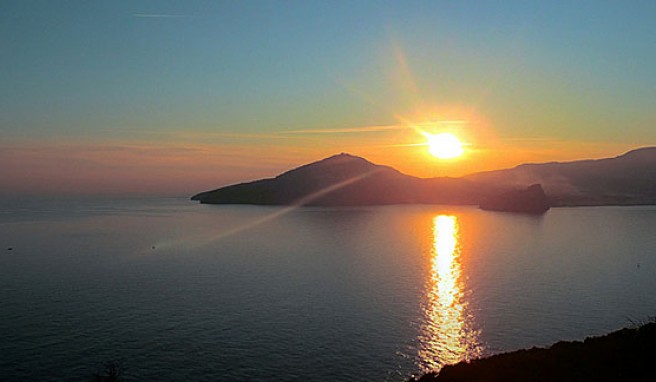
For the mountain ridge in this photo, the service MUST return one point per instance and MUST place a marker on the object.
(348, 180)
(626, 179)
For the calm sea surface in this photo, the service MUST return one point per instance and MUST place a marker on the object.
(178, 291)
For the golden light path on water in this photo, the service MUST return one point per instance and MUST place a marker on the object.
(447, 334)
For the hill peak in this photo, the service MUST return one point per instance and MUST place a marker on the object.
(343, 157)
(343, 163)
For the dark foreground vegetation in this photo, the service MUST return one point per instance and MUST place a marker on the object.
(624, 355)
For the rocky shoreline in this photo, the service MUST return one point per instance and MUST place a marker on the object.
(623, 355)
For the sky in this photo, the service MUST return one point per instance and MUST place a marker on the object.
(172, 98)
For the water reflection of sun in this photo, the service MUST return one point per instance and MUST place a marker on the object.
(447, 335)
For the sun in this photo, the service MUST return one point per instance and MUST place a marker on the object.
(444, 145)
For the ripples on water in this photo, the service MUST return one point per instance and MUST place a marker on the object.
(448, 334)
(188, 292)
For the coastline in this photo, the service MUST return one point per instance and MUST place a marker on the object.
(623, 355)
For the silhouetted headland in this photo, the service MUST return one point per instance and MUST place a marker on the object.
(347, 180)
(624, 355)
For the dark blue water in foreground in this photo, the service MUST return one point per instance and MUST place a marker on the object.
(178, 291)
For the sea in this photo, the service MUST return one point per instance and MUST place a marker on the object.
(172, 290)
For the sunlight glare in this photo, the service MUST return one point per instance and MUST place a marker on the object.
(448, 335)
(444, 145)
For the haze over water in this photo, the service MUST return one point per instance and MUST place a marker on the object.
(180, 291)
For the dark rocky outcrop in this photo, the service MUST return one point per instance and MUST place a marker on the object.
(531, 200)
(624, 355)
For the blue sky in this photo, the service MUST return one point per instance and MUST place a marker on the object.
(165, 72)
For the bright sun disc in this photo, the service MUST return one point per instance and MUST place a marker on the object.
(444, 145)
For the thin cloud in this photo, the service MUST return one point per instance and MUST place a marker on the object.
(350, 130)
(406, 145)
(533, 139)
(447, 122)
(203, 136)
(375, 129)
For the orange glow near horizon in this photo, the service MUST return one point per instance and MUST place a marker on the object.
(171, 166)
(447, 335)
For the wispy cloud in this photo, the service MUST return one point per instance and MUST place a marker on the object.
(378, 128)
(200, 136)
(406, 144)
(533, 139)
(446, 122)
(348, 130)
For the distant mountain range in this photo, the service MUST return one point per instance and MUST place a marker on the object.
(347, 180)
(628, 179)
